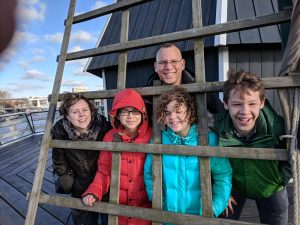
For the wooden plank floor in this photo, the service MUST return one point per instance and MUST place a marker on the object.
(17, 167)
(18, 163)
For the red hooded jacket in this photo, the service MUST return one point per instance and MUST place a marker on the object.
(132, 187)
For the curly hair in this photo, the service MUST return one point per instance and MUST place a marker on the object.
(70, 99)
(243, 81)
(182, 98)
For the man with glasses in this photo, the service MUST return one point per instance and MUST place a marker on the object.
(170, 69)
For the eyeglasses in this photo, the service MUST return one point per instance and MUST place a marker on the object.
(124, 112)
(165, 63)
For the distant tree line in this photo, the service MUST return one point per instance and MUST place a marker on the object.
(4, 95)
(6, 100)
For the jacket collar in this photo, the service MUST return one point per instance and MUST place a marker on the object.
(264, 131)
(91, 134)
(182, 140)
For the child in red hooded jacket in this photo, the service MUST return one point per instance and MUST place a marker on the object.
(130, 122)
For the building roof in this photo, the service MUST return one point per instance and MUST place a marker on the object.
(239, 9)
(161, 17)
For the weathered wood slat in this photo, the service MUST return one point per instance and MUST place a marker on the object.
(121, 5)
(137, 212)
(121, 83)
(36, 187)
(205, 173)
(204, 151)
(235, 25)
(205, 176)
(216, 86)
(115, 184)
(156, 161)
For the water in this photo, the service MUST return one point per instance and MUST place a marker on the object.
(18, 125)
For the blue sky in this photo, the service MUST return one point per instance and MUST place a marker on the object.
(28, 66)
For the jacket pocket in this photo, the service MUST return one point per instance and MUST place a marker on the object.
(64, 183)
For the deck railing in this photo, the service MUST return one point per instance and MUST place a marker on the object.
(15, 126)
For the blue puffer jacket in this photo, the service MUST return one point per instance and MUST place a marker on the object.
(181, 176)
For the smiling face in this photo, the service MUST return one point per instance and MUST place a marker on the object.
(244, 108)
(169, 65)
(79, 115)
(130, 118)
(177, 118)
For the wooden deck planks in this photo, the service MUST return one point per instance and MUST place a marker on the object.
(17, 167)
(9, 215)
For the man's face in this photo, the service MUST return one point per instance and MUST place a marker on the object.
(244, 109)
(169, 65)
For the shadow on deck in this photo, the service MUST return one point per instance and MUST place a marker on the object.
(17, 167)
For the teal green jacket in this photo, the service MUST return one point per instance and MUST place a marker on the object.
(181, 176)
(256, 178)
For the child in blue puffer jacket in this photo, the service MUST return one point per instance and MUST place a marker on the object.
(181, 174)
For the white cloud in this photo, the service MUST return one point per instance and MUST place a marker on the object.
(73, 83)
(38, 58)
(36, 75)
(79, 64)
(31, 11)
(82, 36)
(23, 63)
(54, 38)
(21, 37)
(79, 36)
(38, 51)
(29, 2)
(22, 87)
(76, 48)
(6, 56)
(99, 4)
(79, 72)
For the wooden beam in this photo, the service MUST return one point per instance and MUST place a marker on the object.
(120, 5)
(205, 173)
(121, 84)
(156, 160)
(38, 178)
(137, 212)
(236, 25)
(216, 86)
(204, 151)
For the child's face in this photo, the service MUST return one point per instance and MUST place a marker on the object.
(177, 119)
(130, 118)
(244, 109)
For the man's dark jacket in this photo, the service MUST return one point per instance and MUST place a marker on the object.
(214, 105)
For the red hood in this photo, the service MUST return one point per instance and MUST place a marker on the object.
(129, 98)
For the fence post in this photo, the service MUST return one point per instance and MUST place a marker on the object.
(30, 123)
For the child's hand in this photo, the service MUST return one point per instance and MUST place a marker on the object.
(231, 202)
(89, 200)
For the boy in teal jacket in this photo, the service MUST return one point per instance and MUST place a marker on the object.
(181, 174)
(250, 121)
